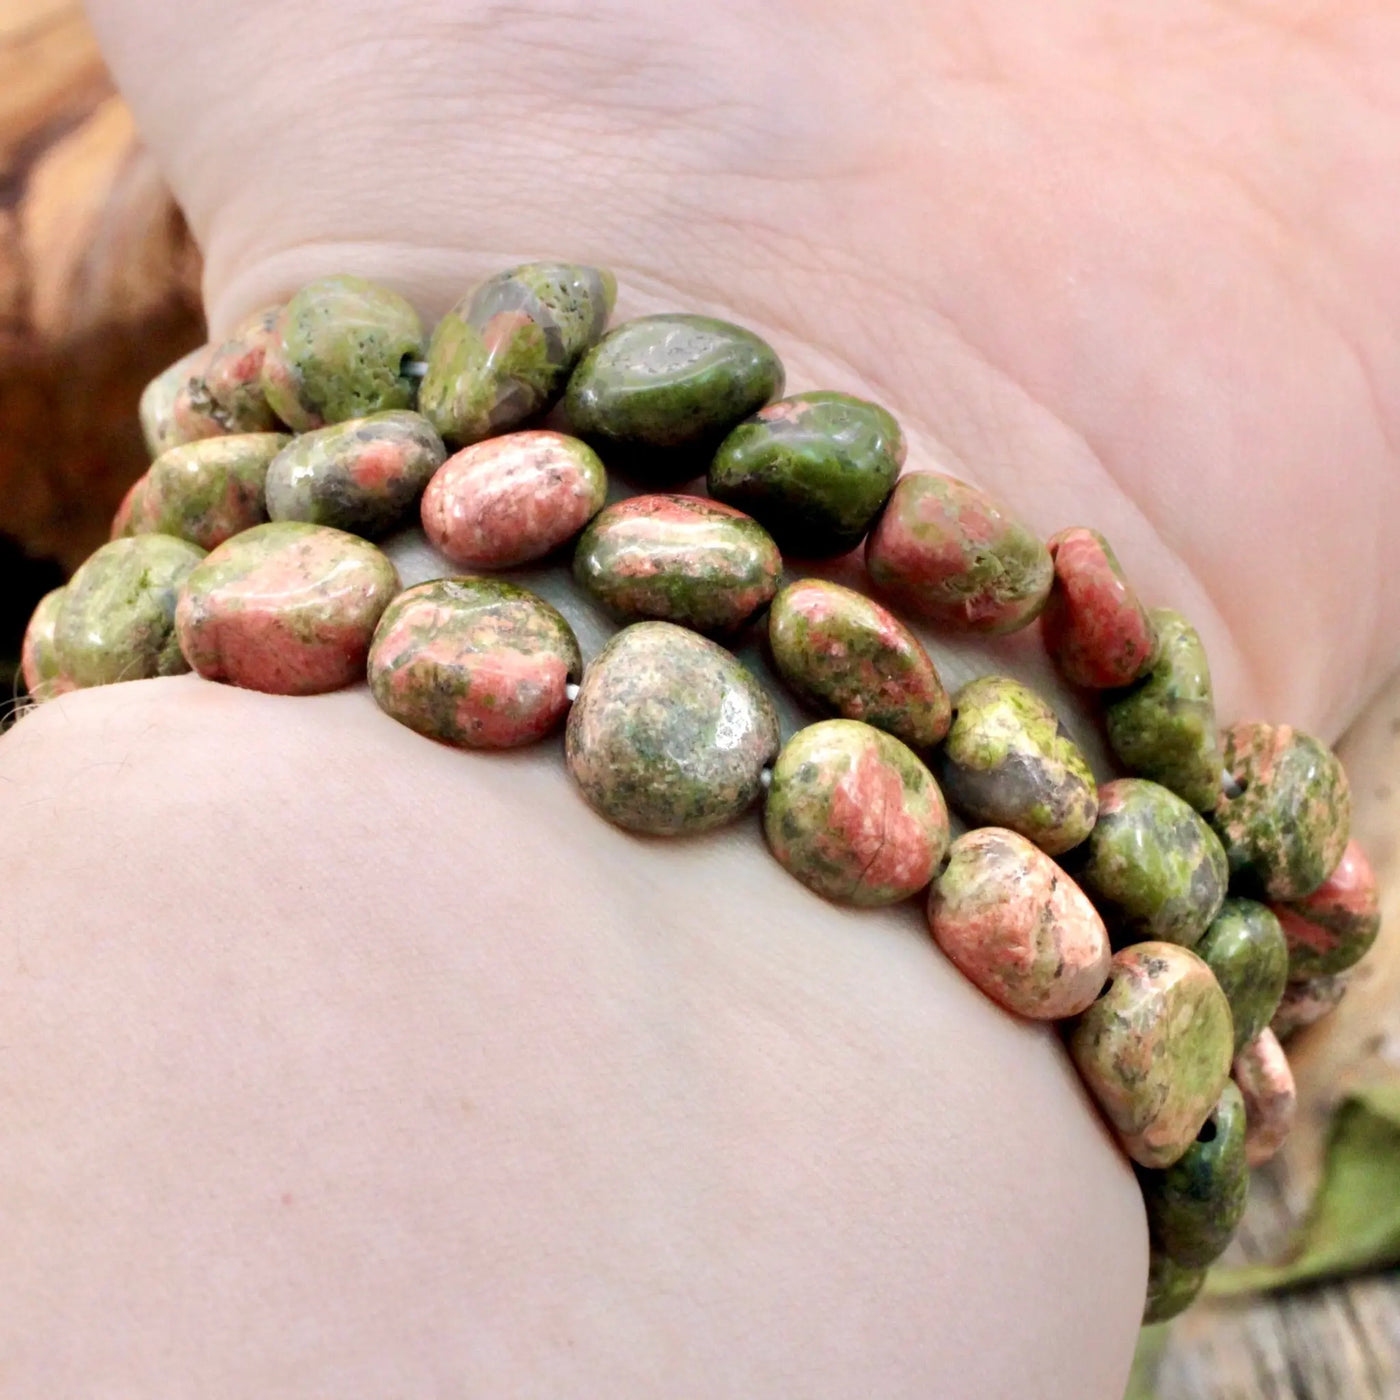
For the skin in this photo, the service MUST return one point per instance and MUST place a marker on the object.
(1195, 301)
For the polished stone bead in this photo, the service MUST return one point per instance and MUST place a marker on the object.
(1306, 1003)
(225, 393)
(117, 619)
(210, 490)
(1163, 727)
(474, 662)
(657, 395)
(340, 349)
(514, 499)
(844, 654)
(40, 667)
(364, 476)
(503, 354)
(1171, 1289)
(1155, 1049)
(1018, 927)
(1095, 628)
(1007, 761)
(157, 406)
(1152, 865)
(1245, 948)
(1194, 1205)
(1333, 928)
(814, 470)
(854, 815)
(288, 608)
(678, 559)
(1270, 1098)
(130, 516)
(1285, 815)
(669, 734)
(951, 554)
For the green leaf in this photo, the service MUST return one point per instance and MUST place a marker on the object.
(1147, 1359)
(1354, 1224)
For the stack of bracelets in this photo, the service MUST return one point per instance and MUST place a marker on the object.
(1180, 921)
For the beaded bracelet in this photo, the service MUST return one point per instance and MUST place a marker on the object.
(1178, 920)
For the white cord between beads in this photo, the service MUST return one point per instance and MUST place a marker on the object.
(765, 779)
(413, 369)
(571, 692)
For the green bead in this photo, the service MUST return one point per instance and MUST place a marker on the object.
(1152, 866)
(814, 469)
(1194, 1206)
(340, 350)
(657, 395)
(503, 354)
(40, 666)
(117, 620)
(1171, 1289)
(210, 490)
(1007, 761)
(1163, 727)
(157, 406)
(1248, 953)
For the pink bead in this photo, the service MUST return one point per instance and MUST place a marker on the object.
(1270, 1099)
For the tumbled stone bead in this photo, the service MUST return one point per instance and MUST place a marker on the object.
(157, 406)
(1270, 1099)
(658, 394)
(1285, 815)
(364, 475)
(1007, 761)
(950, 553)
(503, 354)
(854, 814)
(1171, 1288)
(513, 499)
(841, 652)
(678, 559)
(339, 351)
(474, 662)
(40, 667)
(1194, 1205)
(117, 619)
(288, 608)
(1245, 948)
(814, 470)
(1155, 1049)
(1306, 1003)
(1152, 865)
(669, 734)
(1095, 628)
(1163, 727)
(210, 490)
(1018, 927)
(225, 394)
(129, 519)
(1333, 928)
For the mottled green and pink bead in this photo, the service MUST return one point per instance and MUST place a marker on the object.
(1306, 1003)
(1333, 928)
(208, 491)
(40, 666)
(1245, 948)
(1265, 1079)
(157, 407)
(224, 393)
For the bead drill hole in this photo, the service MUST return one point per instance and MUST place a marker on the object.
(1208, 1131)
(1107, 988)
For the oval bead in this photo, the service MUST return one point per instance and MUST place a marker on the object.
(678, 559)
(1163, 728)
(503, 354)
(1152, 865)
(207, 491)
(338, 351)
(840, 652)
(514, 499)
(669, 734)
(854, 815)
(1018, 927)
(474, 662)
(224, 394)
(1333, 928)
(40, 666)
(814, 470)
(1007, 761)
(129, 519)
(1171, 1288)
(363, 476)
(1270, 1099)
(117, 619)
(157, 406)
(950, 553)
(287, 608)
(1306, 1003)
(1245, 948)
(1194, 1206)
(1097, 631)
(1286, 817)
(656, 395)
(1155, 1049)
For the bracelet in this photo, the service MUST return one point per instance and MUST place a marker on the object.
(1178, 920)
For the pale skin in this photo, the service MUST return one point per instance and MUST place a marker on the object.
(339, 1064)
